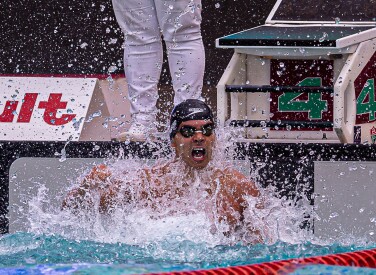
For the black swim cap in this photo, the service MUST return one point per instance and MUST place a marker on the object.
(190, 109)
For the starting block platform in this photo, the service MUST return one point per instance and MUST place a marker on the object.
(307, 75)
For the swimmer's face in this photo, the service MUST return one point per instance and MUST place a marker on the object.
(194, 141)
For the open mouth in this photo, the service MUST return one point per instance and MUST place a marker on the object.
(198, 154)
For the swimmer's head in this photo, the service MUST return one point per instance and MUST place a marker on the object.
(190, 109)
(192, 133)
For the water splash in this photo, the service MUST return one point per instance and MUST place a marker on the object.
(63, 153)
(179, 230)
(190, 218)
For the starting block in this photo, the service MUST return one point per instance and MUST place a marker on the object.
(307, 75)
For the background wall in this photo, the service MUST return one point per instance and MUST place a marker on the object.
(82, 37)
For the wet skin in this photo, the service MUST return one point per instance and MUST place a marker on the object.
(159, 182)
(185, 147)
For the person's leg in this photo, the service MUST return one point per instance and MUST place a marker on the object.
(180, 22)
(143, 56)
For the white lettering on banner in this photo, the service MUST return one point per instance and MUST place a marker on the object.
(41, 108)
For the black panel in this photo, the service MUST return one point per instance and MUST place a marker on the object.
(326, 10)
(290, 167)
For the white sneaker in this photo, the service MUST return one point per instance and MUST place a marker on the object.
(137, 132)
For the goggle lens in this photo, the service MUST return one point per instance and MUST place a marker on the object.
(189, 131)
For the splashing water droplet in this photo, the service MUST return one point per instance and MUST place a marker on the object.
(97, 113)
(333, 215)
(63, 155)
(112, 69)
(84, 45)
(323, 37)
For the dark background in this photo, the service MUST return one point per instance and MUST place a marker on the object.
(326, 10)
(82, 37)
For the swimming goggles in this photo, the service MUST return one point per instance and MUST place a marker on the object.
(189, 131)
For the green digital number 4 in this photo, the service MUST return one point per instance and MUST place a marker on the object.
(315, 106)
(366, 105)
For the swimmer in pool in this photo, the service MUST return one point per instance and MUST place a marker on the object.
(186, 184)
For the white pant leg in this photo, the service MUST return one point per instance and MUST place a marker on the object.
(180, 22)
(143, 55)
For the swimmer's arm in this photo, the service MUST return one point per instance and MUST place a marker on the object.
(246, 188)
(97, 182)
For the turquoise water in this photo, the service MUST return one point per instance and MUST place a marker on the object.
(26, 253)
